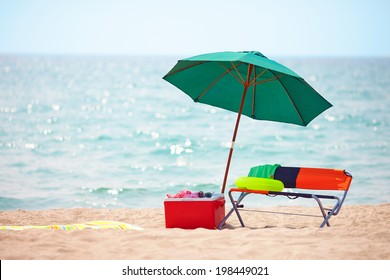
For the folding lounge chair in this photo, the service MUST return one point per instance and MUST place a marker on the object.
(316, 181)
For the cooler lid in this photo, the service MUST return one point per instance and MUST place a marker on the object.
(214, 197)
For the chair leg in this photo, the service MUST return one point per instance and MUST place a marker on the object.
(222, 223)
(326, 217)
(234, 209)
(235, 204)
(336, 207)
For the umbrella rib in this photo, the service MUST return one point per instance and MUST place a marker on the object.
(269, 80)
(242, 79)
(211, 85)
(230, 71)
(253, 94)
(185, 68)
(292, 102)
(254, 80)
(276, 77)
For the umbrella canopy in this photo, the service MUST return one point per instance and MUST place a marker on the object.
(248, 83)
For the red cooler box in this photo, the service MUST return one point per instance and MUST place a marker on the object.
(191, 213)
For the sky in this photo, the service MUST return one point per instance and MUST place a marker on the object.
(178, 27)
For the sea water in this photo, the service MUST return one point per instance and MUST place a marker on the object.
(84, 131)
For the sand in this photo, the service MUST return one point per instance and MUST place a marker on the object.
(359, 232)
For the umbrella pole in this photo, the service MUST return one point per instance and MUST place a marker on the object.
(246, 85)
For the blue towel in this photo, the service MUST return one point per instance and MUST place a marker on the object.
(263, 171)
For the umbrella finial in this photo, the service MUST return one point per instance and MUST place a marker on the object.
(255, 53)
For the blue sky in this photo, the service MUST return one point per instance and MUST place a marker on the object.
(179, 27)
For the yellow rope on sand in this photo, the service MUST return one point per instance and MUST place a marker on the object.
(88, 225)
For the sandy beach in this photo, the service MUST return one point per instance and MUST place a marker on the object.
(359, 232)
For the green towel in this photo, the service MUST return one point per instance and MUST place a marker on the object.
(263, 171)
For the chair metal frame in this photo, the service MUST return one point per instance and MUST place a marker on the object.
(327, 213)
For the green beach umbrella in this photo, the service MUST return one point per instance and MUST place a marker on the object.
(250, 84)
